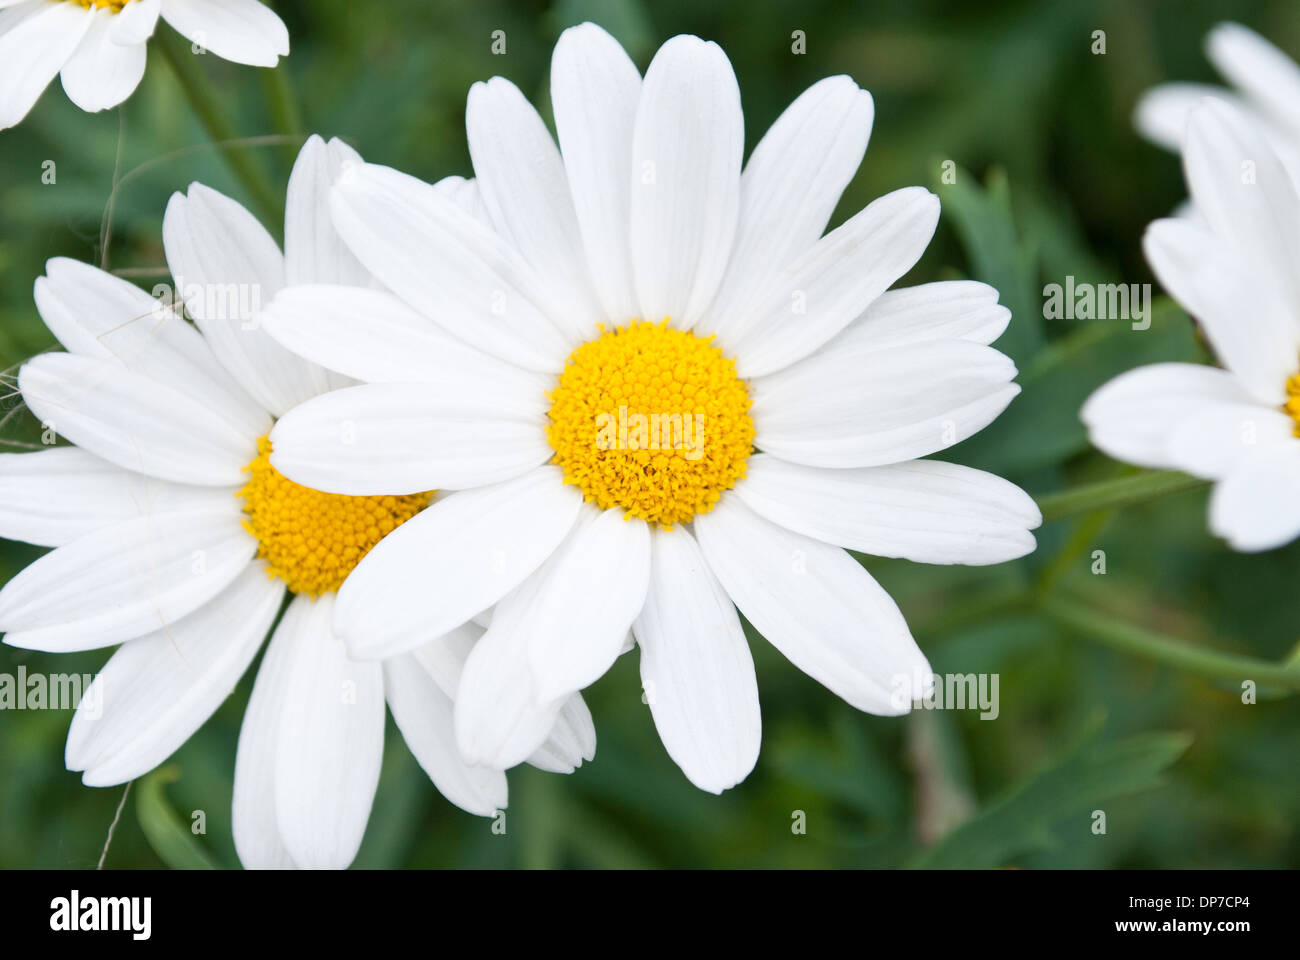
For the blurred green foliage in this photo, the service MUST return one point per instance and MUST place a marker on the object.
(1051, 181)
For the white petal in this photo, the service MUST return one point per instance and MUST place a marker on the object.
(226, 267)
(1132, 417)
(522, 181)
(595, 89)
(501, 719)
(458, 557)
(421, 244)
(95, 314)
(398, 438)
(925, 510)
(256, 828)
(102, 72)
(1256, 507)
(696, 668)
(572, 740)
(687, 144)
(36, 40)
(1161, 112)
(125, 580)
(809, 301)
(1245, 194)
(313, 250)
(330, 740)
(242, 31)
(815, 604)
(946, 310)
(591, 590)
(1213, 439)
(443, 658)
(136, 22)
(855, 407)
(135, 422)
(424, 715)
(373, 336)
(1246, 319)
(791, 184)
(1258, 68)
(54, 496)
(156, 691)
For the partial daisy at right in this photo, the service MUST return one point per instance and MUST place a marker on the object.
(1232, 263)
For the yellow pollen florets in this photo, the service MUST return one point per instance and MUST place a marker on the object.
(1292, 405)
(312, 540)
(653, 420)
(113, 5)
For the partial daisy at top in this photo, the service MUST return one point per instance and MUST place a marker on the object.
(1265, 85)
(175, 538)
(676, 402)
(98, 47)
(1234, 267)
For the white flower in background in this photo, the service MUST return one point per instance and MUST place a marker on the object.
(542, 267)
(98, 46)
(177, 539)
(1234, 267)
(1266, 86)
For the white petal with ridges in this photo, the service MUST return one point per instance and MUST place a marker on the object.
(791, 184)
(809, 301)
(52, 497)
(399, 438)
(242, 31)
(687, 143)
(330, 740)
(595, 89)
(696, 668)
(135, 422)
(457, 558)
(157, 690)
(125, 580)
(424, 714)
(924, 510)
(860, 407)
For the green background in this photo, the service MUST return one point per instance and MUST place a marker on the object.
(1051, 181)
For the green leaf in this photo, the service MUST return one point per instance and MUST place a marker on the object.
(169, 836)
(998, 256)
(1023, 821)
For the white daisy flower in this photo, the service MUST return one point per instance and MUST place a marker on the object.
(1234, 269)
(605, 465)
(176, 538)
(1265, 85)
(98, 46)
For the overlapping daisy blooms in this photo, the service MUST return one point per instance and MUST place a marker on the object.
(174, 537)
(1265, 86)
(674, 398)
(1233, 266)
(98, 47)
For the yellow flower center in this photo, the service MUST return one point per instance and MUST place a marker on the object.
(312, 540)
(1292, 405)
(114, 5)
(653, 420)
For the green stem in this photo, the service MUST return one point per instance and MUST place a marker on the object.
(1211, 664)
(208, 109)
(1111, 494)
(285, 115)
